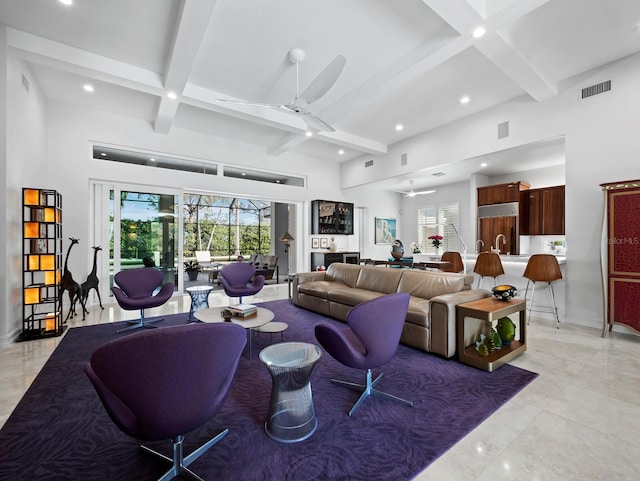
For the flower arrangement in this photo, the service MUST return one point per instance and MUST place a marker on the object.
(436, 240)
(415, 248)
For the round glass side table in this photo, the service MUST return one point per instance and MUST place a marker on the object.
(199, 299)
(292, 417)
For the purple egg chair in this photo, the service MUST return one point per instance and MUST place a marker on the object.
(370, 341)
(160, 384)
(135, 290)
(239, 279)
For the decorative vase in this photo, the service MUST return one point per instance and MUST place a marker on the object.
(397, 250)
(507, 330)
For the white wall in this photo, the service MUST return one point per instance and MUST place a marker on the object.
(24, 165)
(601, 146)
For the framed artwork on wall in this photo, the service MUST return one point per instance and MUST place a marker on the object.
(385, 230)
(324, 242)
(315, 243)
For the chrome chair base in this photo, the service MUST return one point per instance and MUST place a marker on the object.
(548, 309)
(180, 463)
(369, 390)
(138, 323)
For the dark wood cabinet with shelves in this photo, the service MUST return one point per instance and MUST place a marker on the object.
(42, 264)
(328, 217)
(501, 193)
(490, 227)
(542, 211)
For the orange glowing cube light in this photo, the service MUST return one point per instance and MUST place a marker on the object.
(49, 214)
(50, 322)
(31, 196)
(31, 230)
(33, 263)
(47, 262)
(32, 295)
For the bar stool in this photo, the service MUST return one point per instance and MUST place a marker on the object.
(488, 264)
(542, 268)
(456, 262)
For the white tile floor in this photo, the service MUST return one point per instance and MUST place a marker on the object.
(579, 420)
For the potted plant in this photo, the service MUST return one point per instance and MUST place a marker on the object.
(192, 268)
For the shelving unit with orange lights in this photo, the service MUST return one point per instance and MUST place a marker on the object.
(42, 264)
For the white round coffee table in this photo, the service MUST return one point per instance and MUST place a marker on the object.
(273, 327)
(214, 314)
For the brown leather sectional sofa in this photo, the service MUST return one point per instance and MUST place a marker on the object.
(431, 320)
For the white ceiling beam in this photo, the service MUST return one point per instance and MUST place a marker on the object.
(191, 28)
(63, 57)
(463, 18)
(339, 138)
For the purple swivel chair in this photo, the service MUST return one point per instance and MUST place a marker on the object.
(135, 291)
(370, 341)
(239, 279)
(160, 384)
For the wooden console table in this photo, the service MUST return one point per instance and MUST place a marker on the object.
(489, 310)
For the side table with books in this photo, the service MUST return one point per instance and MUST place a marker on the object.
(259, 317)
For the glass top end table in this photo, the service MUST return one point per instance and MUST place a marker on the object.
(291, 416)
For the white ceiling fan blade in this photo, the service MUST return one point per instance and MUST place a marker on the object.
(324, 81)
(424, 192)
(248, 104)
(316, 123)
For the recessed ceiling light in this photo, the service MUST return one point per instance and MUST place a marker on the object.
(152, 159)
(479, 32)
(484, 164)
(308, 133)
(66, 2)
(277, 181)
(399, 127)
(104, 154)
(88, 87)
(243, 174)
(340, 152)
(172, 95)
(465, 99)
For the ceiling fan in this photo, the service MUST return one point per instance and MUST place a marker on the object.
(316, 89)
(413, 193)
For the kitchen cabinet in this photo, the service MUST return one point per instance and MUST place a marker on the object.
(490, 227)
(328, 217)
(501, 193)
(621, 266)
(542, 211)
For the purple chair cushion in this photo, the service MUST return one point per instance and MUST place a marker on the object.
(236, 279)
(135, 288)
(166, 382)
(373, 334)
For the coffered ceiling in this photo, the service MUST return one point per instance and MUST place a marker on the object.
(409, 62)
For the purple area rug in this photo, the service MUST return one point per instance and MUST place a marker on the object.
(60, 431)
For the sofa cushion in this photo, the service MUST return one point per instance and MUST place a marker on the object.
(344, 273)
(425, 285)
(352, 297)
(418, 312)
(379, 279)
(319, 288)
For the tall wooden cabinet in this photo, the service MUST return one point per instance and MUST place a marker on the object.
(41, 263)
(621, 255)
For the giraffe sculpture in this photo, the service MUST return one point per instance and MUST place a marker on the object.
(68, 284)
(92, 279)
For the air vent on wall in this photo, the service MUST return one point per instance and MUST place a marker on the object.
(368, 163)
(403, 159)
(596, 89)
(503, 130)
